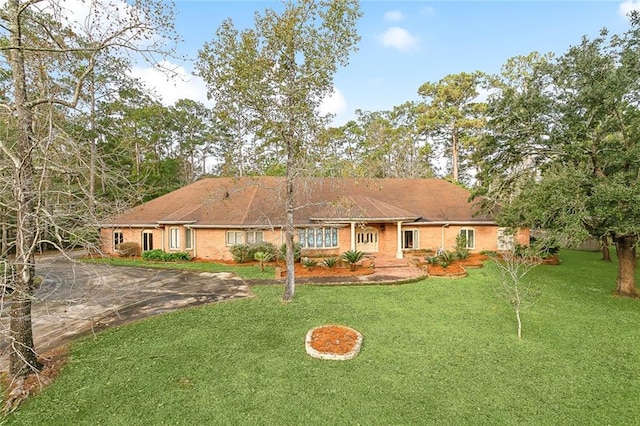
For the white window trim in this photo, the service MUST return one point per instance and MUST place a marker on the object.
(113, 238)
(470, 247)
(144, 234)
(189, 238)
(235, 239)
(174, 238)
(254, 234)
(324, 229)
(416, 238)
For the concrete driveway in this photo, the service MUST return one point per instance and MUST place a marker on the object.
(77, 298)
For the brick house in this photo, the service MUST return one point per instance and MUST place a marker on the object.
(385, 217)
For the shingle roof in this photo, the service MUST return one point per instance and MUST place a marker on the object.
(250, 202)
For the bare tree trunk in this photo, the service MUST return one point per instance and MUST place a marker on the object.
(4, 233)
(94, 149)
(454, 154)
(606, 253)
(22, 355)
(289, 286)
(625, 248)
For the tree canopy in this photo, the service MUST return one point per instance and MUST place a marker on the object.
(562, 152)
(272, 78)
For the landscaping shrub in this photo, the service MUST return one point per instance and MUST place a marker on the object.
(158, 255)
(297, 252)
(264, 247)
(309, 263)
(461, 250)
(330, 262)
(432, 260)
(352, 257)
(153, 255)
(262, 257)
(242, 253)
(128, 249)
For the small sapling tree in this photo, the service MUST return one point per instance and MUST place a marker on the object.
(513, 266)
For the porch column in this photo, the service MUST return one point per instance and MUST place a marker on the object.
(353, 235)
(399, 244)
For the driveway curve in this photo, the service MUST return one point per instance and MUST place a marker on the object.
(77, 298)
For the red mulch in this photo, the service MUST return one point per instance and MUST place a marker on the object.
(323, 271)
(333, 339)
(454, 268)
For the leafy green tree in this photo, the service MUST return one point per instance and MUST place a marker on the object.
(377, 144)
(195, 132)
(452, 115)
(573, 170)
(276, 74)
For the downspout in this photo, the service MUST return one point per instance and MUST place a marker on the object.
(399, 254)
(353, 236)
(442, 242)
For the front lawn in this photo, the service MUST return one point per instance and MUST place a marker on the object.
(434, 352)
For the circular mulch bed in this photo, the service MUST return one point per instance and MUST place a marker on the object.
(454, 270)
(335, 342)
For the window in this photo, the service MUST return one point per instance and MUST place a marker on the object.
(147, 240)
(470, 236)
(118, 238)
(254, 237)
(235, 237)
(174, 238)
(410, 239)
(318, 237)
(188, 238)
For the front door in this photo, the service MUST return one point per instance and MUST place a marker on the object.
(367, 240)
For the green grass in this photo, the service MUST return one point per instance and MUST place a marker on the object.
(434, 352)
(248, 272)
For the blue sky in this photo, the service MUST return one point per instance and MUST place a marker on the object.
(407, 43)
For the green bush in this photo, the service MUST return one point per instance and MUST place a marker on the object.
(461, 250)
(158, 255)
(243, 253)
(330, 262)
(153, 255)
(128, 249)
(447, 256)
(352, 257)
(263, 247)
(432, 260)
(240, 253)
(309, 263)
(262, 257)
(178, 256)
(297, 252)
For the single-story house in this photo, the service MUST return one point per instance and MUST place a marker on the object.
(385, 217)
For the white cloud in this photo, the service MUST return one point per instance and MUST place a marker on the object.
(400, 39)
(628, 6)
(335, 103)
(394, 15)
(170, 89)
